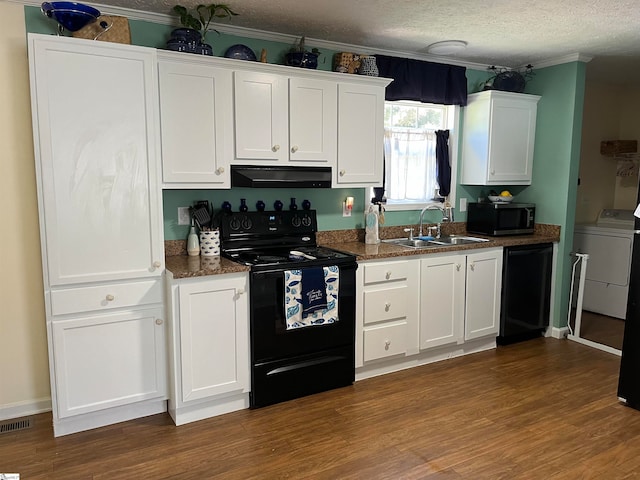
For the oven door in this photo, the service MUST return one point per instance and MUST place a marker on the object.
(270, 338)
(287, 364)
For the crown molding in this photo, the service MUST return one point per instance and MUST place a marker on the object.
(165, 19)
(573, 57)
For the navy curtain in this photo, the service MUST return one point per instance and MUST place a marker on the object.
(422, 81)
(443, 167)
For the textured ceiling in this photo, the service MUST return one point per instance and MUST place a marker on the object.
(509, 33)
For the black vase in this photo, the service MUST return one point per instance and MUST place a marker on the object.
(292, 205)
(277, 205)
(243, 205)
(306, 205)
(260, 206)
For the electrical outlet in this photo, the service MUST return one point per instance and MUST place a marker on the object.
(463, 204)
(184, 218)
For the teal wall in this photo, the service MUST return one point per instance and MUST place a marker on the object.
(556, 158)
(556, 163)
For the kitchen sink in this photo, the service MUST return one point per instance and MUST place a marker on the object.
(436, 242)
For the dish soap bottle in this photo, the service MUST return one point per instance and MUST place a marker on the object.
(193, 244)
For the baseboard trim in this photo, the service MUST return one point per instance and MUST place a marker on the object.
(24, 409)
(557, 332)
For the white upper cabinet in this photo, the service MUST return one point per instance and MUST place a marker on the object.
(284, 119)
(196, 118)
(498, 137)
(360, 135)
(95, 115)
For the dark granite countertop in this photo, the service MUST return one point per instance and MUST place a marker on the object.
(351, 241)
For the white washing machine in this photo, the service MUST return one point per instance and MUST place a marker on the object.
(609, 243)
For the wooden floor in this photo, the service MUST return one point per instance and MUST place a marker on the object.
(602, 329)
(541, 409)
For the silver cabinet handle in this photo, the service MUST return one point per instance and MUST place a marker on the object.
(387, 306)
(156, 264)
(387, 344)
(342, 172)
(110, 298)
(240, 291)
(294, 149)
(159, 321)
(472, 266)
(387, 275)
(275, 148)
(457, 267)
(220, 170)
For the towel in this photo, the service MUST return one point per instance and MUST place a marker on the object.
(294, 316)
(313, 290)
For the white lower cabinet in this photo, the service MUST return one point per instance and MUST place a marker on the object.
(483, 291)
(460, 297)
(209, 346)
(109, 360)
(422, 309)
(386, 310)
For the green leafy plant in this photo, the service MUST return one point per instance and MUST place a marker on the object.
(299, 47)
(200, 18)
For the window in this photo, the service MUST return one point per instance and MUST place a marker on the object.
(410, 158)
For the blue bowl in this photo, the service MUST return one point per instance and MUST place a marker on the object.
(70, 15)
(240, 52)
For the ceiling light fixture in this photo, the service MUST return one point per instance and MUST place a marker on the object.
(446, 47)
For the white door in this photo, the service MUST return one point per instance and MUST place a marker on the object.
(261, 116)
(196, 123)
(442, 297)
(95, 133)
(109, 360)
(313, 121)
(484, 283)
(360, 135)
(214, 338)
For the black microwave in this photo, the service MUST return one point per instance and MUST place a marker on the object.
(497, 219)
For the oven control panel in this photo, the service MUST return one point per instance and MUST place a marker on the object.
(269, 223)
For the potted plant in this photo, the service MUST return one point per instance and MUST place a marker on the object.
(299, 56)
(195, 25)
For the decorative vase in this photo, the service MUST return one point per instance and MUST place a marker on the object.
(260, 206)
(188, 40)
(302, 59)
(368, 67)
(306, 205)
(292, 205)
(277, 205)
(243, 205)
(226, 207)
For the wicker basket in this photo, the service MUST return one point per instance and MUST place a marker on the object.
(346, 62)
(107, 28)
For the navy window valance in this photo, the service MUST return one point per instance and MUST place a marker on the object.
(422, 81)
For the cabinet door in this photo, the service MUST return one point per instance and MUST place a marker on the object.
(484, 283)
(312, 120)
(214, 337)
(95, 133)
(109, 360)
(442, 297)
(512, 139)
(196, 123)
(360, 136)
(261, 116)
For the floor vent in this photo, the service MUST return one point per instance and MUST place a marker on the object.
(14, 425)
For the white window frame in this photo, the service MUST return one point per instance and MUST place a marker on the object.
(453, 125)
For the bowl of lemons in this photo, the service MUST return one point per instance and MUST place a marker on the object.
(504, 197)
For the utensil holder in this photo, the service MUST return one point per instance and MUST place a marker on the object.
(210, 243)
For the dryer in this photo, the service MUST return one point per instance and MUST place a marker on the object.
(609, 243)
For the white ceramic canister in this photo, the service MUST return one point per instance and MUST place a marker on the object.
(210, 243)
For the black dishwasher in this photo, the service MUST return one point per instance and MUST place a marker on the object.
(526, 292)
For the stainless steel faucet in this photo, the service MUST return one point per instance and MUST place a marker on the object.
(447, 216)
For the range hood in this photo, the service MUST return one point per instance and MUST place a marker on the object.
(280, 177)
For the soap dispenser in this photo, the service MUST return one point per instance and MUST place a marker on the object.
(193, 244)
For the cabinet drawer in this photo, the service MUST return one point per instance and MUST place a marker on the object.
(385, 272)
(385, 304)
(103, 297)
(385, 341)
